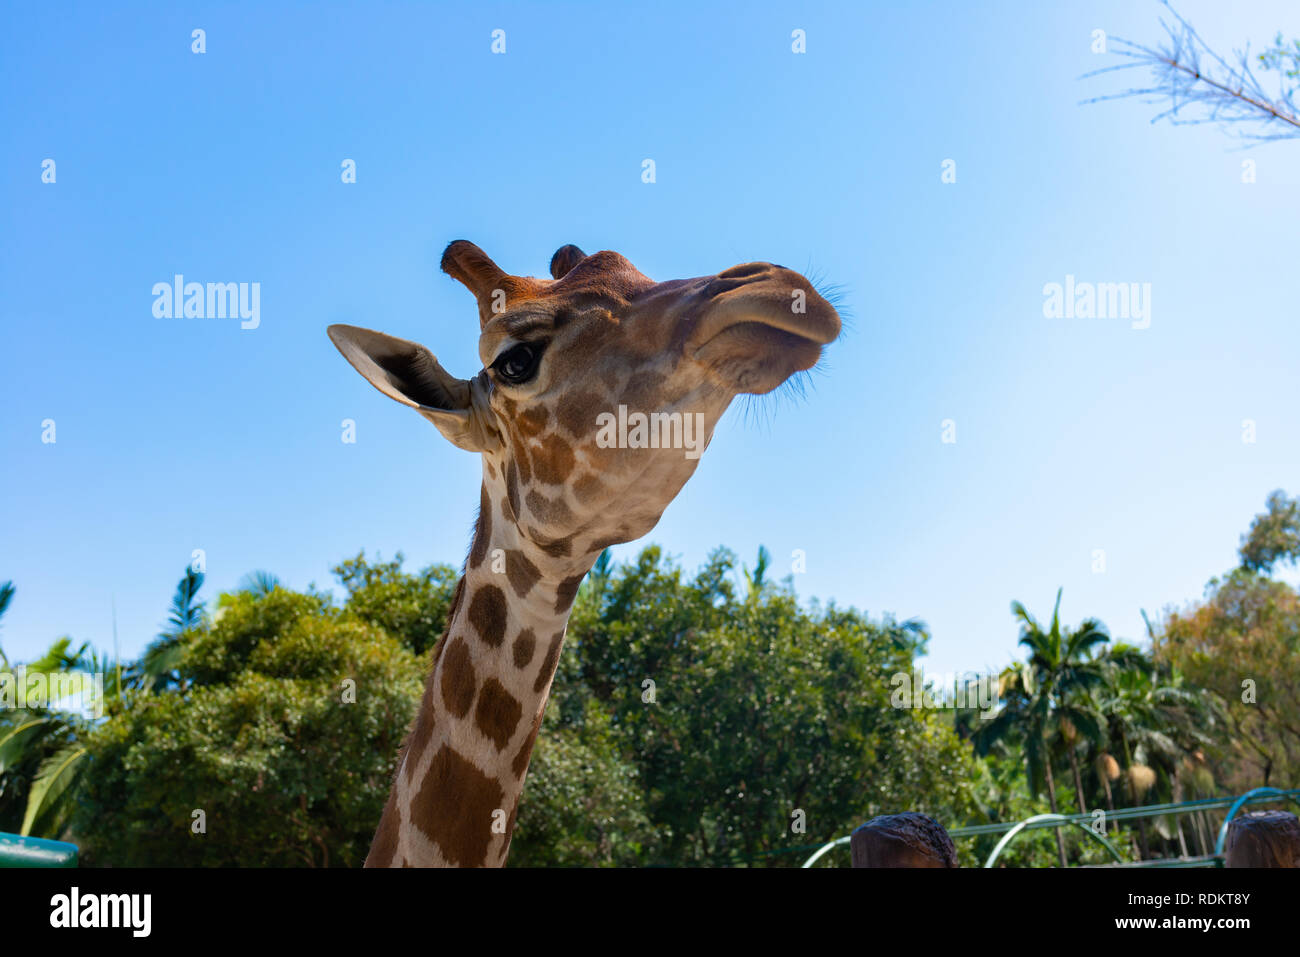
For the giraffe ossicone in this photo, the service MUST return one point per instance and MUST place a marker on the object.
(560, 356)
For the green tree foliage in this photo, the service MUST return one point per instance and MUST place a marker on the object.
(1284, 57)
(283, 738)
(158, 666)
(42, 755)
(768, 726)
(1157, 726)
(585, 804)
(6, 596)
(1274, 535)
(1243, 643)
(706, 719)
(1125, 726)
(738, 714)
(1045, 707)
(410, 607)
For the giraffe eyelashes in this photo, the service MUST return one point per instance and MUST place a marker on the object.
(518, 364)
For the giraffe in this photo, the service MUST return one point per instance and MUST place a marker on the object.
(563, 358)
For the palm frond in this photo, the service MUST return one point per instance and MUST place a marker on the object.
(186, 610)
(260, 583)
(6, 595)
(47, 809)
(15, 740)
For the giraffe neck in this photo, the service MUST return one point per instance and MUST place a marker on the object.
(457, 788)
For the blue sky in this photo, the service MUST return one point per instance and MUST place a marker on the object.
(1072, 434)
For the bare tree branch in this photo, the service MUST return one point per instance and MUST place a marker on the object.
(1201, 86)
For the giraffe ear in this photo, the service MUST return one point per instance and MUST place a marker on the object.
(408, 372)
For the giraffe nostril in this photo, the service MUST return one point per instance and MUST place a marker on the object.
(721, 284)
(745, 270)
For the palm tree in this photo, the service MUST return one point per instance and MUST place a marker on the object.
(756, 580)
(6, 595)
(261, 583)
(1157, 721)
(40, 750)
(32, 734)
(1074, 735)
(1045, 700)
(43, 759)
(162, 658)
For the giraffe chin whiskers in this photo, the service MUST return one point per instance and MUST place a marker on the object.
(760, 410)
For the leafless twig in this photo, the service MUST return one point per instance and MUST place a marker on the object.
(1200, 86)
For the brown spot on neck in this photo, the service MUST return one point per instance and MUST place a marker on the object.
(577, 412)
(457, 678)
(558, 548)
(520, 764)
(553, 510)
(422, 733)
(524, 647)
(532, 421)
(487, 613)
(498, 713)
(454, 808)
(566, 591)
(554, 460)
(522, 573)
(549, 663)
(587, 488)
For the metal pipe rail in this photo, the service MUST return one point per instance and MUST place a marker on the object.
(1140, 811)
(1050, 820)
(1038, 821)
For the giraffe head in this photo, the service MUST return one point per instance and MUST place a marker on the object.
(599, 387)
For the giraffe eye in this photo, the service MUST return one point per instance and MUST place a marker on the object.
(518, 364)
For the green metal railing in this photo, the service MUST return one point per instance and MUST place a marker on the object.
(19, 851)
(1052, 820)
(1143, 811)
(1232, 804)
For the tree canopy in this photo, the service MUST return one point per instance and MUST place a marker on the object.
(710, 718)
